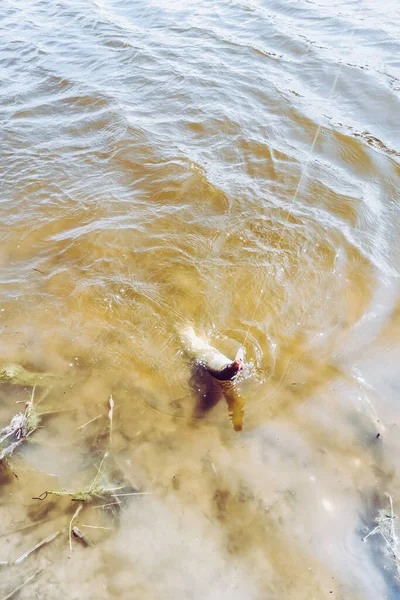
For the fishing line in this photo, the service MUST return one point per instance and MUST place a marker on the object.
(301, 180)
(295, 195)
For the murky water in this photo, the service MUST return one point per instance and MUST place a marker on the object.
(232, 165)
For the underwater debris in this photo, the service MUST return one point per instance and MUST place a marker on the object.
(386, 528)
(97, 488)
(110, 416)
(17, 375)
(94, 490)
(44, 542)
(76, 513)
(23, 584)
(81, 536)
(22, 425)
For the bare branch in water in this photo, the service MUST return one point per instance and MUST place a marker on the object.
(99, 486)
(132, 494)
(22, 425)
(7, 452)
(386, 528)
(94, 490)
(105, 505)
(47, 540)
(29, 526)
(91, 421)
(95, 527)
(110, 416)
(76, 513)
(11, 594)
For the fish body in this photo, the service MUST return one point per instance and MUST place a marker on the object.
(221, 368)
(216, 363)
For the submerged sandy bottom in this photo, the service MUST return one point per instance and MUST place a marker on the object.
(157, 172)
(276, 511)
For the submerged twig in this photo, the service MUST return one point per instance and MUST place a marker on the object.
(6, 452)
(76, 513)
(96, 527)
(23, 584)
(17, 375)
(385, 527)
(29, 526)
(99, 487)
(361, 383)
(94, 489)
(91, 421)
(105, 505)
(372, 532)
(110, 416)
(47, 540)
(132, 494)
(22, 425)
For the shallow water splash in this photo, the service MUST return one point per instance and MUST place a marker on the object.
(234, 166)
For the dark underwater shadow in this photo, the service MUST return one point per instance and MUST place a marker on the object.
(206, 390)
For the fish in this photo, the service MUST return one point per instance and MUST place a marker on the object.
(221, 368)
(217, 364)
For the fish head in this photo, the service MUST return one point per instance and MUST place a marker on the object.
(239, 359)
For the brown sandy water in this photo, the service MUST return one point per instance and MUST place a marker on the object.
(156, 169)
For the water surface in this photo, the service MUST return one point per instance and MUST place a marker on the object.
(233, 165)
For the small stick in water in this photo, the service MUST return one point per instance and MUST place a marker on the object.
(22, 425)
(76, 513)
(47, 540)
(110, 416)
(23, 584)
(91, 421)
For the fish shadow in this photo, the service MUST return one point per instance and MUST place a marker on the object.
(206, 390)
(209, 392)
